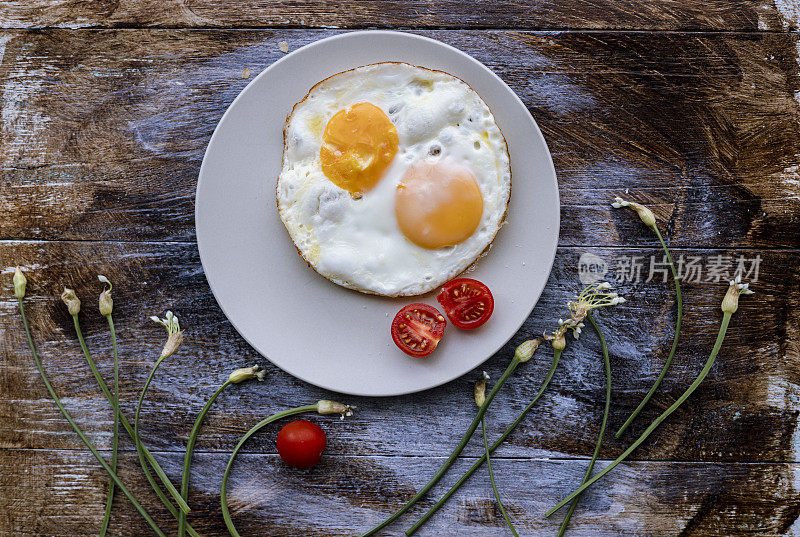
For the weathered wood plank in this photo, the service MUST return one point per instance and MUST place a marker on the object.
(101, 138)
(63, 494)
(642, 15)
(746, 410)
(103, 132)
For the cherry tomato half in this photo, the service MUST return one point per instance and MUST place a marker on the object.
(417, 329)
(301, 443)
(468, 303)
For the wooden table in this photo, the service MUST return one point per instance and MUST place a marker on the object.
(690, 107)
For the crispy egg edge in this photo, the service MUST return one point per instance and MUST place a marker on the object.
(434, 284)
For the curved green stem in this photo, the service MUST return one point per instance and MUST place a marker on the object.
(129, 428)
(187, 459)
(140, 447)
(726, 317)
(115, 441)
(226, 515)
(600, 436)
(675, 338)
(494, 485)
(456, 452)
(417, 525)
(79, 432)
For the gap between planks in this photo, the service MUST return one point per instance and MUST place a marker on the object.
(343, 29)
(7, 449)
(12, 242)
(361, 27)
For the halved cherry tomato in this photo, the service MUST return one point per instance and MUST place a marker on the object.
(301, 443)
(468, 303)
(417, 329)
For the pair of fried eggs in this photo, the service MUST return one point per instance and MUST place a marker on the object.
(395, 178)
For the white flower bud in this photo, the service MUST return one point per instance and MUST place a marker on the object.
(619, 202)
(645, 214)
(175, 334)
(174, 341)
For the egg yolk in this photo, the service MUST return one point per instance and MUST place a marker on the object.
(438, 204)
(358, 144)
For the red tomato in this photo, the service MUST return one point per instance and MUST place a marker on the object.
(301, 443)
(468, 303)
(417, 329)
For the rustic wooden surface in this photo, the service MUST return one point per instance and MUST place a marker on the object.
(692, 107)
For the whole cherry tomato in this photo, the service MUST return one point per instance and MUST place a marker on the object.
(301, 443)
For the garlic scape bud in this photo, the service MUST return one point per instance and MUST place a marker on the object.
(593, 296)
(174, 333)
(72, 301)
(480, 390)
(526, 349)
(247, 373)
(645, 214)
(332, 407)
(20, 281)
(559, 342)
(105, 303)
(735, 288)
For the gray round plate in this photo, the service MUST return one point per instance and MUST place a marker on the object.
(313, 329)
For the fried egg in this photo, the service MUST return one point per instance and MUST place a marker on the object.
(395, 178)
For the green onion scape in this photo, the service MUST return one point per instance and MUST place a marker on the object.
(174, 340)
(607, 362)
(523, 353)
(19, 290)
(106, 306)
(321, 407)
(646, 215)
(73, 306)
(240, 375)
(480, 397)
(413, 529)
(729, 306)
(592, 296)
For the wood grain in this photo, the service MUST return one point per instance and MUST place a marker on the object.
(748, 15)
(113, 125)
(750, 394)
(339, 497)
(101, 136)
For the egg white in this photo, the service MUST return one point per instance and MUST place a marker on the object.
(357, 243)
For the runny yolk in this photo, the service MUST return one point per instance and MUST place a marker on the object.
(358, 144)
(438, 204)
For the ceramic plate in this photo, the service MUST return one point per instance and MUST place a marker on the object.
(313, 329)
